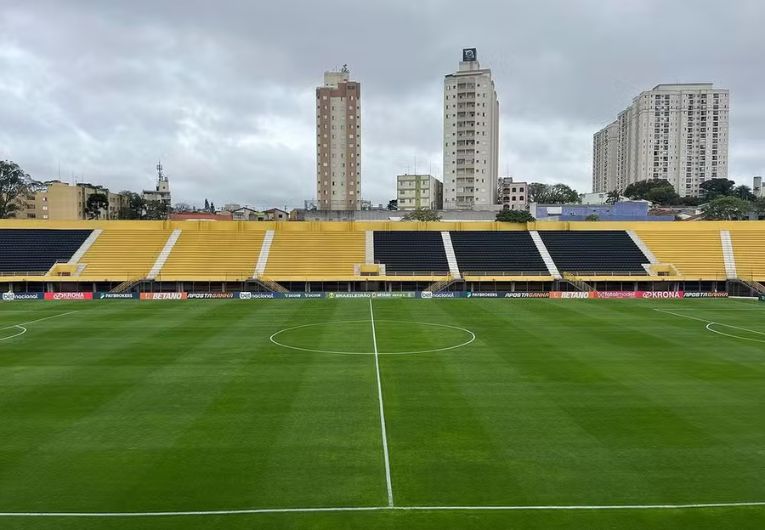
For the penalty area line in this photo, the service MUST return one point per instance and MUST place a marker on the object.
(252, 511)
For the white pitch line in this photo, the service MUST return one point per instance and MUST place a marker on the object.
(22, 328)
(382, 408)
(40, 319)
(710, 323)
(562, 507)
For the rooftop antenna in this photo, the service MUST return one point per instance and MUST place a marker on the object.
(160, 174)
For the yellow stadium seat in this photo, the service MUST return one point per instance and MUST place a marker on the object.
(214, 255)
(299, 255)
(749, 253)
(694, 253)
(120, 255)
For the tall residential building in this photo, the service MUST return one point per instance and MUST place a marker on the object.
(338, 142)
(471, 136)
(605, 158)
(419, 191)
(674, 132)
(757, 187)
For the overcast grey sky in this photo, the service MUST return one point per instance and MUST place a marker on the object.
(223, 91)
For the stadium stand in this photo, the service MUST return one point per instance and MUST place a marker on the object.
(120, 255)
(749, 253)
(594, 252)
(496, 252)
(406, 256)
(408, 252)
(693, 253)
(213, 255)
(35, 251)
(297, 256)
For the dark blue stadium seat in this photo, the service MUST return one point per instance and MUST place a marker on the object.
(497, 252)
(407, 252)
(594, 252)
(36, 251)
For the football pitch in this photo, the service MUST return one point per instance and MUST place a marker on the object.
(382, 414)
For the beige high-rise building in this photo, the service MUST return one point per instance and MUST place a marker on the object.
(675, 132)
(338, 142)
(471, 136)
(419, 191)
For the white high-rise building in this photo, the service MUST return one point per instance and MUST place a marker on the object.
(674, 132)
(471, 136)
(338, 142)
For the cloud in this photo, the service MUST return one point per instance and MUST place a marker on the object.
(223, 91)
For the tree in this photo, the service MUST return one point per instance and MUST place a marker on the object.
(726, 209)
(515, 216)
(659, 191)
(14, 185)
(743, 192)
(664, 195)
(613, 197)
(689, 200)
(182, 207)
(552, 194)
(132, 207)
(422, 214)
(714, 188)
(96, 204)
(207, 205)
(393, 204)
(154, 210)
(212, 207)
(592, 217)
(759, 207)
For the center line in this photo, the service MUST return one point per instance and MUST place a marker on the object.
(382, 408)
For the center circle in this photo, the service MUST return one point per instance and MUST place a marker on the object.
(408, 337)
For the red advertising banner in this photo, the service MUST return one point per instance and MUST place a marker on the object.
(69, 296)
(661, 295)
(164, 296)
(619, 295)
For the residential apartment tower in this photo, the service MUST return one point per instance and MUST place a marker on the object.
(674, 132)
(471, 136)
(338, 142)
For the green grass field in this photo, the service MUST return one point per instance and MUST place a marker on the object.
(132, 407)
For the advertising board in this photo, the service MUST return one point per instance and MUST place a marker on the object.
(69, 296)
(164, 296)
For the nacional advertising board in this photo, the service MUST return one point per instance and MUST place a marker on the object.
(69, 296)
(18, 297)
(164, 296)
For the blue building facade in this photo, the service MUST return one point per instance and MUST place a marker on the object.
(621, 211)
